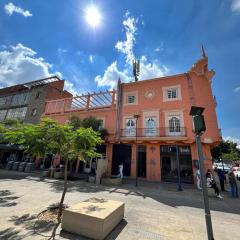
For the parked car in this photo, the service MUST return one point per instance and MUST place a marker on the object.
(236, 171)
(222, 166)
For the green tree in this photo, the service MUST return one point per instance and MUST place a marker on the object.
(50, 136)
(226, 150)
(89, 122)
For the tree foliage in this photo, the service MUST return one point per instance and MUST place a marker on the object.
(226, 150)
(89, 122)
(51, 137)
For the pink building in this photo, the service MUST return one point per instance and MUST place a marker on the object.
(163, 106)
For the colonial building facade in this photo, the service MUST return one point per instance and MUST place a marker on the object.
(153, 116)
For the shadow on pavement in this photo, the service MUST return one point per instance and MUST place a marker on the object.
(7, 198)
(165, 193)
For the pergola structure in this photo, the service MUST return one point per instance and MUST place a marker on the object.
(83, 102)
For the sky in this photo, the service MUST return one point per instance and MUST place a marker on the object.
(42, 38)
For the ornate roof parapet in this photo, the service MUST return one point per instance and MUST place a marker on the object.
(200, 67)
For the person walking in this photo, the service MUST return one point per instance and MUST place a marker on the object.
(211, 183)
(120, 167)
(222, 179)
(233, 184)
(198, 177)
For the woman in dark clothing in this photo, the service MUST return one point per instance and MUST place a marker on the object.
(211, 183)
(222, 179)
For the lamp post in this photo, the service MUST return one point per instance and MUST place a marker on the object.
(199, 128)
(136, 116)
(178, 166)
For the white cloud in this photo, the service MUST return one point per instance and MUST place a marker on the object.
(19, 64)
(237, 89)
(151, 70)
(91, 58)
(68, 86)
(235, 5)
(236, 140)
(126, 47)
(148, 69)
(111, 75)
(61, 51)
(10, 8)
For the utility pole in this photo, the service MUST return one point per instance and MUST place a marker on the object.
(178, 166)
(199, 129)
(136, 116)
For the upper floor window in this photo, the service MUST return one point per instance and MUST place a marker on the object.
(20, 99)
(174, 124)
(131, 98)
(172, 93)
(17, 113)
(3, 114)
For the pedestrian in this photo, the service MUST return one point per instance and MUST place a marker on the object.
(222, 179)
(211, 183)
(198, 176)
(120, 167)
(233, 184)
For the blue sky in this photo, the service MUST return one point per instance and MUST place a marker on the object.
(39, 38)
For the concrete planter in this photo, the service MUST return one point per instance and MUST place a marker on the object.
(91, 179)
(111, 181)
(93, 218)
(58, 175)
(46, 173)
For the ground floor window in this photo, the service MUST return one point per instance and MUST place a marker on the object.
(169, 163)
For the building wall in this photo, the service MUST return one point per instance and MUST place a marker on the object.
(194, 89)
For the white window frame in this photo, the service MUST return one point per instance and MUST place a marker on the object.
(129, 94)
(172, 88)
(168, 116)
(129, 131)
(151, 114)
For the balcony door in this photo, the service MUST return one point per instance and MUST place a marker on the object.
(150, 126)
(130, 129)
(174, 126)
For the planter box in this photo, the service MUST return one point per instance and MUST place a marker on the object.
(93, 218)
(91, 179)
(58, 175)
(111, 181)
(46, 173)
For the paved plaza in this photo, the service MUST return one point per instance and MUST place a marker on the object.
(152, 211)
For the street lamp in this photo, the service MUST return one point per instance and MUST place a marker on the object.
(136, 116)
(199, 129)
(178, 166)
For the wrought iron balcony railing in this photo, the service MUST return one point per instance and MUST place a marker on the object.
(154, 132)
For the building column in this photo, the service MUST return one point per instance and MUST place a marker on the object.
(153, 162)
(109, 153)
(133, 161)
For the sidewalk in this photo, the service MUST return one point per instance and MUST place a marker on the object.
(153, 210)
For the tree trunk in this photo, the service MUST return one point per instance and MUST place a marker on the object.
(64, 191)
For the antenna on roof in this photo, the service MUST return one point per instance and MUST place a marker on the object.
(136, 69)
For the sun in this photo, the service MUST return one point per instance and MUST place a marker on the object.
(93, 16)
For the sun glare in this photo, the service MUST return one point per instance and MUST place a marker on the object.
(93, 16)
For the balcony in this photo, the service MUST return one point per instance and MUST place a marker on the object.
(154, 132)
